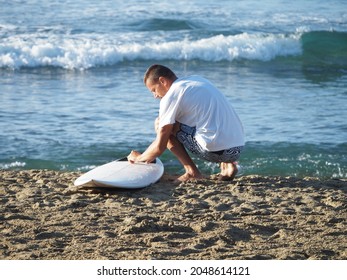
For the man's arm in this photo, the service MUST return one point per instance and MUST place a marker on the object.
(156, 148)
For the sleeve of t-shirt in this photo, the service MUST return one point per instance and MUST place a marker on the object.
(169, 109)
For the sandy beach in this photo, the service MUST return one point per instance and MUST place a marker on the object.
(43, 216)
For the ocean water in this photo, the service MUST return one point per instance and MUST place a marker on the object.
(72, 96)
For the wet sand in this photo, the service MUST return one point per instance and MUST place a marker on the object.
(43, 216)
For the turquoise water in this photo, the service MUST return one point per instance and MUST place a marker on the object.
(72, 97)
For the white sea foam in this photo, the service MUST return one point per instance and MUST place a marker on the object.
(86, 168)
(12, 165)
(83, 52)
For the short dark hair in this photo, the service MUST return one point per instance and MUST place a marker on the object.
(156, 70)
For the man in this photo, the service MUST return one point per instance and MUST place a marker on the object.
(196, 116)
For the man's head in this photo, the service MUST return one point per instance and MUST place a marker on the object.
(158, 79)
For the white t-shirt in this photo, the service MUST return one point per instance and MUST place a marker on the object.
(195, 102)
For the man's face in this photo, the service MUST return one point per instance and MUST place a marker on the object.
(158, 89)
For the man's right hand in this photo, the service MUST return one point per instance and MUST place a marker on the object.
(132, 157)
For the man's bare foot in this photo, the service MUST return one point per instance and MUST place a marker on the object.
(187, 176)
(228, 171)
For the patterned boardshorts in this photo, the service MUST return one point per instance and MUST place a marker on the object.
(186, 136)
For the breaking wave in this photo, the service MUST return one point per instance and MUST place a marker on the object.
(83, 52)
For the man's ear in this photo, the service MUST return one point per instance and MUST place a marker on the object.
(162, 80)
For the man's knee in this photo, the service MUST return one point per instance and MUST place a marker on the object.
(176, 128)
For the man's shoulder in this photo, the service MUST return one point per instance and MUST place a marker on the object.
(191, 80)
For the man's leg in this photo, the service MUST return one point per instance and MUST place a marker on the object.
(177, 148)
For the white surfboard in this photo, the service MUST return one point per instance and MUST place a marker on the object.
(122, 174)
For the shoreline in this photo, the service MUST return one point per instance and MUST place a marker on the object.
(253, 217)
